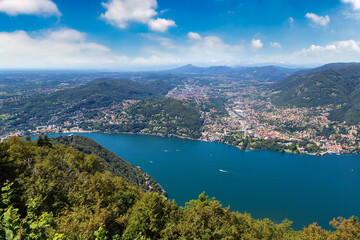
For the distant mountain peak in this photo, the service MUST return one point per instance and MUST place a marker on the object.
(188, 66)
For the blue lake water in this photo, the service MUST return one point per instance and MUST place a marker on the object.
(302, 188)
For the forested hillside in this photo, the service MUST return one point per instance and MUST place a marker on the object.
(171, 115)
(163, 116)
(323, 68)
(110, 161)
(339, 88)
(57, 192)
(45, 108)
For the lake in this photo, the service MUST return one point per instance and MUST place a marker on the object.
(273, 185)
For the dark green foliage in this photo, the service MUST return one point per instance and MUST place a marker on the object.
(150, 216)
(171, 114)
(216, 105)
(43, 141)
(73, 186)
(94, 201)
(339, 88)
(13, 227)
(96, 94)
(327, 131)
(5, 162)
(277, 145)
(205, 218)
(268, 144)
(110, 161)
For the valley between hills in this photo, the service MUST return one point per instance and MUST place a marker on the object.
(267, 108)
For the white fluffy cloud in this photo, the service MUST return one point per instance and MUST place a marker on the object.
(201, 50)
(155, 60)
(340, 51)
(354, 3)
(211, 48)
(275, 45)
(120, 13)
(194, 36)
(29, 7)
(65, 48)
(161, 25)
(213, 43)
(340, 47)
(256, 44)
(319, 20)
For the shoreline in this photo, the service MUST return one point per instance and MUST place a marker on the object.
(53, 131)
(201, 140)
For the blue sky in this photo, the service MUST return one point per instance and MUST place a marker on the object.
(153, 34)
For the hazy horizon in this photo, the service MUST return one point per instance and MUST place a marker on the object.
(157, 68)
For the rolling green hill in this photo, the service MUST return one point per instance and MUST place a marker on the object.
(323, 68)
(173, 110)
(110, 160)
(337, 87)
(40, 109)
(98, 104)
(165, 115)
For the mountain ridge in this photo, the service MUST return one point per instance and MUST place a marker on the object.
(338, 87)
(96, 94)
(264, 73)
(112, 162)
